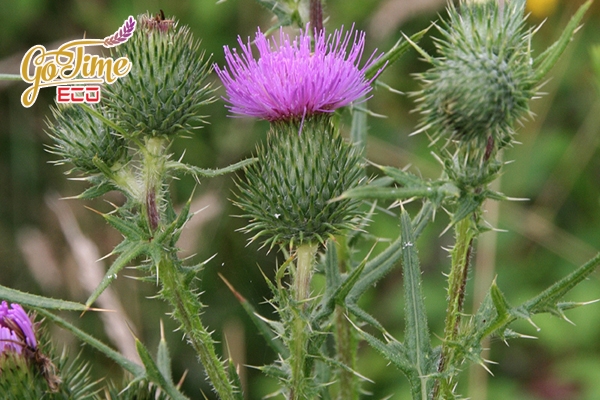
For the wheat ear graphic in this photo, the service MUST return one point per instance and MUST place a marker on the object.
(122, 35)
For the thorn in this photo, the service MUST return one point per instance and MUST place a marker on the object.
(240, 298)
(533, 324)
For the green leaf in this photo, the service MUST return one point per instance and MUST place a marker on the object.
(394, 53)
(554, 293)
(467, 205)
(32, 300)
(280, 9)
(128, 251)
(332, 270)
(377, 268)
(393, 352)
(548, 58)
(163, 357)
(344, 289)
(96, 191)
(10, 77)
(358, 130)
(207, 172)
(136, 370)
(385, 193)
(127, 228)
(402, 177)
(234, 377)
(155, 375)
(416, 341)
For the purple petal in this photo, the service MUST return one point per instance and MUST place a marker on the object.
(290, 79)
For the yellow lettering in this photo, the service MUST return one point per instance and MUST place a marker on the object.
(30, 94)
(121, 67)
(49, 72)
(102, 67)
(71, 68)
(68, 65)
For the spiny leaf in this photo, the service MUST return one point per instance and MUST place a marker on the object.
(32, 300)
(127, 228)
(96, 191)
(344, 289)
(416, 340)
(559, 289)
(208, 173)
(154, 374)
(394, 53)
(136, 370)
(128, 252)
(163, 358)
(548, 58)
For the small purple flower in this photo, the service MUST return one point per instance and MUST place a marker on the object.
(16, 329)
(291, 79)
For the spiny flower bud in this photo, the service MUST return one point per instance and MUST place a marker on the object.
(79, 137)
(165, 89)
(287, 193)
(483, 79)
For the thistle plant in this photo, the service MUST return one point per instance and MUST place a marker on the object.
(287, 195)
(305, 195)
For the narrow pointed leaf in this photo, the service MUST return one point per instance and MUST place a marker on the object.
(401, 47)
(128, 252)
(154, 374)
(402, 177)
(363, 316)
(393, 355)
(209, 173)
(96, 191)
(163, 358)
(358, 130)
(416, 340)
(234, 377)
(127, 228)
(32, 300)
(342, 292)
(136, 370)
(10, 77)
(377, 268)
(555, 292)
(547, 59)
(386, 193)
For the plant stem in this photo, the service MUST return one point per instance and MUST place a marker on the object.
(345, 337)
(465, 233)
(305, 259)
(186, 310)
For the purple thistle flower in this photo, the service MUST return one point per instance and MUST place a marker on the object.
(291, 79)
(16, 329)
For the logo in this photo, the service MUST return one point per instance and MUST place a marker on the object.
(76, 75)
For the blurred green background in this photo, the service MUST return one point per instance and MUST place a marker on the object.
(48, 246)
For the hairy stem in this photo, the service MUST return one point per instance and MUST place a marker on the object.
(465, 234)
(186, 310)
(345, 338)
(305, 259)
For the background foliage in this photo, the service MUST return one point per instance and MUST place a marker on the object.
(45, 251)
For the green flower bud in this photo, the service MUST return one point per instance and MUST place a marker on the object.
(483, 78)
(165, 89)
(79, 138)
(287, 193)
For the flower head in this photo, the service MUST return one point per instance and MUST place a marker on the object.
(292, 79)
(16, 329)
